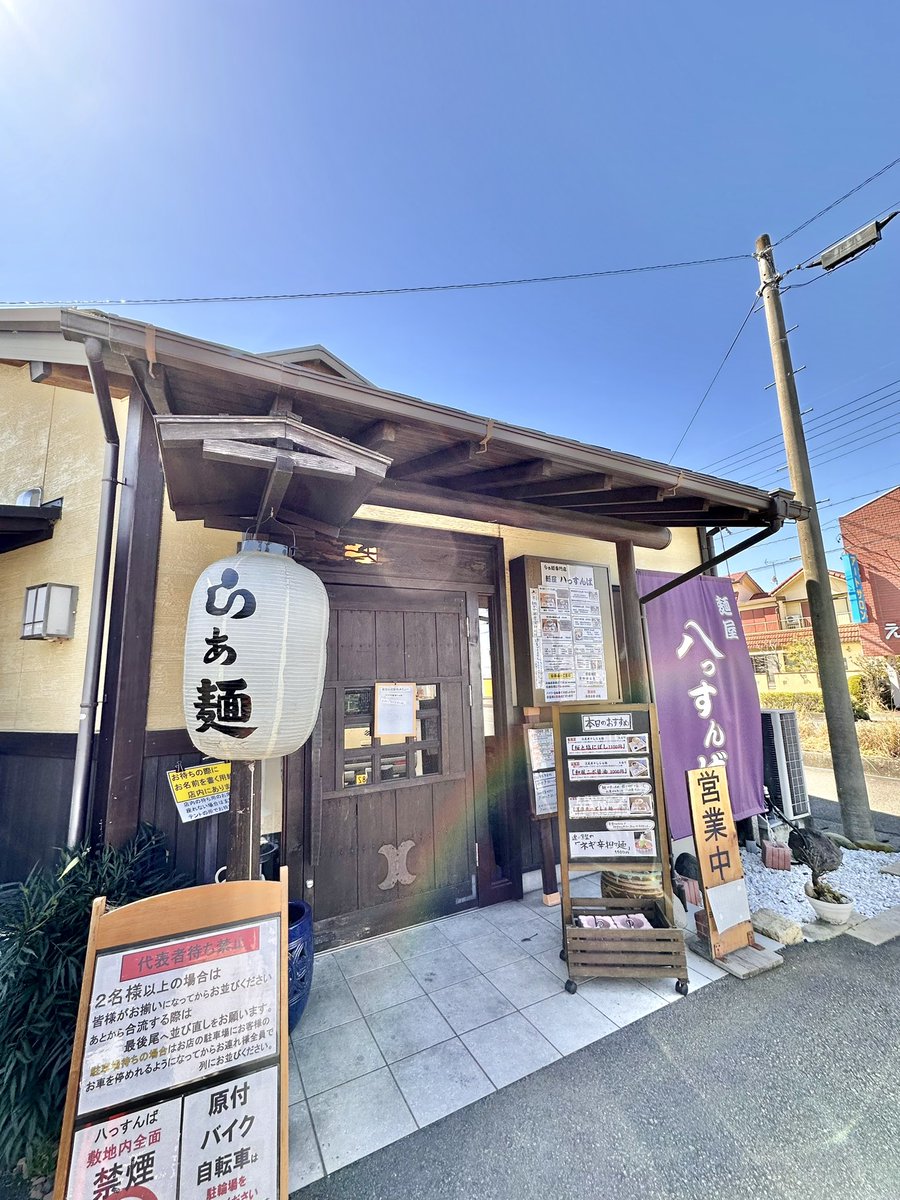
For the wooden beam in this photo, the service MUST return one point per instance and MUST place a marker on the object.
(186, 431)
(115, 810)
(277, 484)
(591, 481)
(433, 464)
(216, 516)
(154, 388)
(379, 436)
(499, 477)
(245, 454)
(446, 502)
(611, 499)
(75, 379)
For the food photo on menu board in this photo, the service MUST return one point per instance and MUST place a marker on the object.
(609, 768)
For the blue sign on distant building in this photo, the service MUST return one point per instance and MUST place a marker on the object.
(858, 611)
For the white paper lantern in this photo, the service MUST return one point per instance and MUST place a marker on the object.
(254, 656)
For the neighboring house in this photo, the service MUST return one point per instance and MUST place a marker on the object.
(409, 512)
(779, 632)
(871, 533)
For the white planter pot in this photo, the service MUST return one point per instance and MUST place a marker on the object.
(834, 914)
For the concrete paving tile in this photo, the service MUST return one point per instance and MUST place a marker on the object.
(380, 989)
(509, 1049)
(368, 956)
(568, 1022)
(440, 1080)
(464, 927)
(665, 988)
(329, 1004)
(539, 940)
(472, 1003)
(622, 1000)
(295, 1087)
(880, 929)
(326, 969)
(498, 913)
(336, 1056)
(524, 982)
(441, 969)
(495, 950)
(702, 966)
(359, 1118)
(552, 961)
(517, 922)
(304, 1160)
(405, 1029)
(422, 939)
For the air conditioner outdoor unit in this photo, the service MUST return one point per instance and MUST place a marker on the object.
(783, 772)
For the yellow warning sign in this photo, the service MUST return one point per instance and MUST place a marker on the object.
(201, 791)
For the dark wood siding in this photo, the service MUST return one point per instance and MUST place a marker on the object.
(35, 787)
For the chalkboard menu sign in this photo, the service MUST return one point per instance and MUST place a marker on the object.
(541, 759)
(609, 785)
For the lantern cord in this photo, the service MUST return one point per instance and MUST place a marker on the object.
(254, 529)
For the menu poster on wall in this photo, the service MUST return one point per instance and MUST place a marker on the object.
(541, 760)
(609, 783)
(567, 634)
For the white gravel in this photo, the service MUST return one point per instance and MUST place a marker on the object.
(859, 877)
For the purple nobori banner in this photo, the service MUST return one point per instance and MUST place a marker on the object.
(706, 698)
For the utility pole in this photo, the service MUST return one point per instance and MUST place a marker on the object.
(848, 769)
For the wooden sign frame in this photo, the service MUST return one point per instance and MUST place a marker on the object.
(660, 859)
(157, 919)
(736, 937)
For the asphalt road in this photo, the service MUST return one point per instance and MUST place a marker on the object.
(884, 793)
(786, 1086)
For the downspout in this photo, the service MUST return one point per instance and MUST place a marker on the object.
(87, 720)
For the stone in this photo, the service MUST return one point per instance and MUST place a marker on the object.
(884, 847)
(773, 925)
(840, 840)
(890, 869)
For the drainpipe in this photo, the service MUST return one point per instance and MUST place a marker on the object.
(87, 719)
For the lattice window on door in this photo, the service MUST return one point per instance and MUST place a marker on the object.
(368, 760)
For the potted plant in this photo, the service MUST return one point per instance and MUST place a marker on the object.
(821, 855)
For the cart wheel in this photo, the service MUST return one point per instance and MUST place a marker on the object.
(571, 987)
(562, 954)
(681, 987)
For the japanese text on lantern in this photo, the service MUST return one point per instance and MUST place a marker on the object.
(225, 705)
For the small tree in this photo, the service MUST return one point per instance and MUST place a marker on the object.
(874, 684)
(800, 656)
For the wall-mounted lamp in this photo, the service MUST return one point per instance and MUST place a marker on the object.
(49, 611)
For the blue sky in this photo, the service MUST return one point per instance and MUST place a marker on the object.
(197, 147)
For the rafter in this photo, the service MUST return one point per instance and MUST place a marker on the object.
(433, 464)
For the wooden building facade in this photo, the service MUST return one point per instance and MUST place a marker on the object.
(409, 512)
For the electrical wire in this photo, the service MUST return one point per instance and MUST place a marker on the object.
(360, 292)
(840, 200)
(814, 421)
(753, 308)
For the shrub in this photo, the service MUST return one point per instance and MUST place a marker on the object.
(799, 701)
(43, 938)
(807, 702)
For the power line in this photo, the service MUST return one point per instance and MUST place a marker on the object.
(876, 416)
(358, 292)
(696, 411)
(839, 407)
(835, 203)
(819, 461)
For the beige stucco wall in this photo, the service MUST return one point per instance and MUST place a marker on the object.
(50, 437)
(186, 548)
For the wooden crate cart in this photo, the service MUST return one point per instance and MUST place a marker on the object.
(611, 812)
